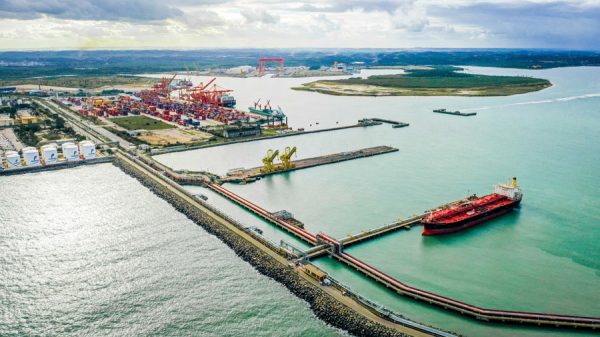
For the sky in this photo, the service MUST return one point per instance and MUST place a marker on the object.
(189, 24)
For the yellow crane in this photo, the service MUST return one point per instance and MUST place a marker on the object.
(268, 161)
(286, 158)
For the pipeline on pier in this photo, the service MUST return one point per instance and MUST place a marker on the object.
(336, 247)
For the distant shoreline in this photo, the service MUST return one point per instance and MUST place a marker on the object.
(433, 81)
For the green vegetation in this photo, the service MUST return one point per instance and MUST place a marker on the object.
(26, 134)
(51, 127)
(86, 82)
(124, 135)
(140, 122)
(437, 81)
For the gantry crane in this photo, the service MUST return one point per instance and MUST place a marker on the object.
(286, 158)
(268, 161)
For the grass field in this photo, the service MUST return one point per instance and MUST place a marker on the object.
(140, 122)
(438, 81)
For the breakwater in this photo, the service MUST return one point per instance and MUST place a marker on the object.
(322, 304)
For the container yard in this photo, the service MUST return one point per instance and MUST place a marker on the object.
(182, 105)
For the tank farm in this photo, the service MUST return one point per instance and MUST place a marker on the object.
(200, 103)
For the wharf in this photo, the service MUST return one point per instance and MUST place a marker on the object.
(57, 166)
(248, 175)
(456, 113)
(360, 124)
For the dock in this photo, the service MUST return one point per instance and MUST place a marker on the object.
(248, 175)
(455, 113)
(322, 243)
(290, 133)
(395, 124)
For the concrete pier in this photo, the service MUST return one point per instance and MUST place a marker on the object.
(252, 174)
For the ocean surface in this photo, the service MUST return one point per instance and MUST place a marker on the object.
(89, 251)
(543, 257)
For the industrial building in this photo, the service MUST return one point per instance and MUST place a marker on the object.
(5, 120)
(24, 116)
(242, 131)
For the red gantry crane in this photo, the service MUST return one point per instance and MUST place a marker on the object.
(263, 60)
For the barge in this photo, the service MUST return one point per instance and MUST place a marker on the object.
(456, 113)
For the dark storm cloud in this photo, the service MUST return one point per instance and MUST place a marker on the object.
(558, 24)
(135, 10)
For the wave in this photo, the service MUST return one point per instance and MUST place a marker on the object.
(552, 100)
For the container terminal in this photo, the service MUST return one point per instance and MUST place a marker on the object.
(213, 105)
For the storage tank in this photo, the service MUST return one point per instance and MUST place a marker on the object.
(31, 156)
(70, 151)
(87, 149)
(50, 153)
(13, 159)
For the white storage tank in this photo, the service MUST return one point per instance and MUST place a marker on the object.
(13, 159)
(70, 151)
(31, 156)
(50, 153)
(87, 149)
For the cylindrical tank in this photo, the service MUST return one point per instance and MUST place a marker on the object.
(70, 151)
(13, 159)
(31, 156)
(50, 153)
(87, 149)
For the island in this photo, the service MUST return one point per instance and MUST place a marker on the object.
(428, 81)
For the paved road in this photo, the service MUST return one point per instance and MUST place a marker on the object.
(86, 127)
(9, 141)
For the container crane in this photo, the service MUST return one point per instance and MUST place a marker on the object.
(268, 161)
(286, 158)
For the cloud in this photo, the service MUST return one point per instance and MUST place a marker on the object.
(389, 6)
(301, 23)
(554, 24)
(259, 16)
(137, 10)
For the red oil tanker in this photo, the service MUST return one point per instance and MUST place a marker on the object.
(474, 210)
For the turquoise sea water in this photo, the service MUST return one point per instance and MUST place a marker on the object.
(89, 251)
(543, 257)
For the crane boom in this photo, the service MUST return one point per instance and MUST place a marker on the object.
(268, 161)
(287, 156)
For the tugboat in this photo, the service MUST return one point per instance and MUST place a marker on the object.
(473, 210)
